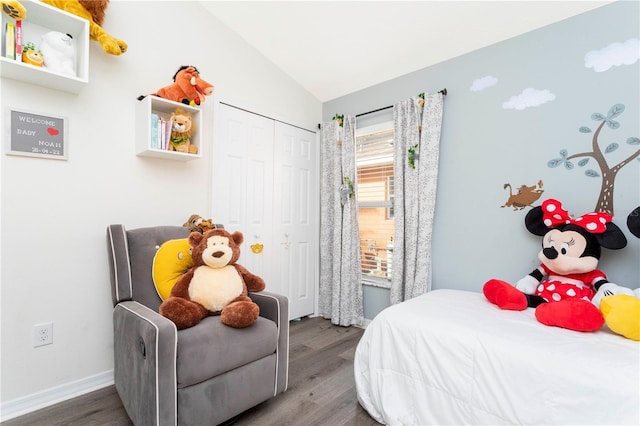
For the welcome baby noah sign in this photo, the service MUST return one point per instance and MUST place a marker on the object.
(37, 135)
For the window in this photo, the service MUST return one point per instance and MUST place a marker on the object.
(375, 189)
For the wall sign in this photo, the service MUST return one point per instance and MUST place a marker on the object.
(36, 135)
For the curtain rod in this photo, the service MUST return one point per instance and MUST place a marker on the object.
(443, 91)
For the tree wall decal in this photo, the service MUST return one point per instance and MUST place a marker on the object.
(607, 172)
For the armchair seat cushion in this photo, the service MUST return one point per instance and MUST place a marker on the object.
(204, 350)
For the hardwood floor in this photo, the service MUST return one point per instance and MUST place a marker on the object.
(321, 388)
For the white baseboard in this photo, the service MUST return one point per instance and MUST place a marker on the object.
(27, 404)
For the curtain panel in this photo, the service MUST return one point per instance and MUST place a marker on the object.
(340, 298)
(418, 128)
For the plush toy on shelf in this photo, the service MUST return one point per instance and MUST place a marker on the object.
(197, 223)
(94, 12)
(58, 53)
(216, 285)
(187, 88)
(181, 129)
(14, 9)
(562, 287)
(620, 306)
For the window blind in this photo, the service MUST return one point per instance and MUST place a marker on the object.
(375, 190)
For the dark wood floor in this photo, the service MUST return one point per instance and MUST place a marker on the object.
(321, 388)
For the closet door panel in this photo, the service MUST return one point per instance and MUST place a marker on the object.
(295, 216)
(242, 184)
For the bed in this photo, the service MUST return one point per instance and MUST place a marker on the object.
(450, 357)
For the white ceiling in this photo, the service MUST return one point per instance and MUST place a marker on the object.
(333, 48)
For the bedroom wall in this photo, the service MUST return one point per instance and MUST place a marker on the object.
(54, 213)
(493, 134)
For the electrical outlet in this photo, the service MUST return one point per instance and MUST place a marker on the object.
(42, 334)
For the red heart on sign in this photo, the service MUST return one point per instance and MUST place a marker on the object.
(52, 131)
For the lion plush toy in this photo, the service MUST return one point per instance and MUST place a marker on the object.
(93, 11)
(187, 88)
(14, 9)
(216, 285)
(181, 128)
(197, 223)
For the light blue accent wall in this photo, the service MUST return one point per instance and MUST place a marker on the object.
(485, 145)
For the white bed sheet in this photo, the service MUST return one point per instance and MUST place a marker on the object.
(451, 357)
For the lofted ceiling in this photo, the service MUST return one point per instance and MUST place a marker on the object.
(333, 48)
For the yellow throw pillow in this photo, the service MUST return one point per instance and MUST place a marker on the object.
(171, 261)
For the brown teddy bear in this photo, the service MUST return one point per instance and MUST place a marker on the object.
(216, 285)
(181, 128)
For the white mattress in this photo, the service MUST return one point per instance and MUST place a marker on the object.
(451, 357)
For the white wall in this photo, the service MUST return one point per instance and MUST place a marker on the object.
(54, 213)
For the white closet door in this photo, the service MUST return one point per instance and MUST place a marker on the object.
(265, 184)
(295, 214)
(242, 184)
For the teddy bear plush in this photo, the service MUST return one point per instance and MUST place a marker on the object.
(619, 305)
(187, 88)
(197, 223)
(58, 52)
(181, 128)
(562, 287)
(216, 285)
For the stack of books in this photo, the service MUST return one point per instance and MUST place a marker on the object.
(160, 132)
(13, 40)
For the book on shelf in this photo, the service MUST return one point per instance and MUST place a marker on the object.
(154, 130)
(161, 126)
(19, 40)
(10, 41)
(167, 136)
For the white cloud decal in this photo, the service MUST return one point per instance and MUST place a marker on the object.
(480, 84)
(529, 98)
(613, 55)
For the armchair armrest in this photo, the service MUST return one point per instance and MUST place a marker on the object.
(145, 345)
(276, 308)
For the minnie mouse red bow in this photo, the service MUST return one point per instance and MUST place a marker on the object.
(554, 215)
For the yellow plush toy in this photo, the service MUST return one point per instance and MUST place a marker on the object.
(14, 9)
(620, 306)
(93, 11)
(622, 314)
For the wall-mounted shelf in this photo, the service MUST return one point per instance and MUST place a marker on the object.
(42, 18)
(164, 108)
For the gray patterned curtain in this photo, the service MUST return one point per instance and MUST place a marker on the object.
(340, 273)
(416, 182)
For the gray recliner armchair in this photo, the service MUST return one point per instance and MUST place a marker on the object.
(205, 374)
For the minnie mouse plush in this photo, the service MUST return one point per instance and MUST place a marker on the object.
(562, 287)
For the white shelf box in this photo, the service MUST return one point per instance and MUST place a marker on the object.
(164, 108)
(42, 18)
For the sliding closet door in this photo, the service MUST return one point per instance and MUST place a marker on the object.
(295, 215)
(242, 184)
